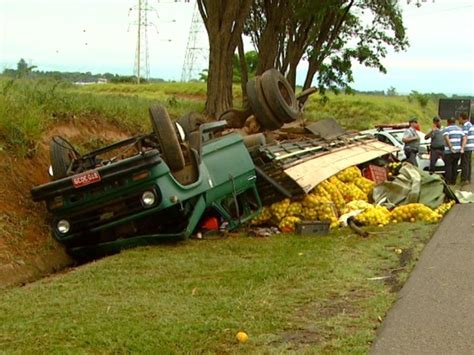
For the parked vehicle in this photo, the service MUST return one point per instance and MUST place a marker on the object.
(393, 135)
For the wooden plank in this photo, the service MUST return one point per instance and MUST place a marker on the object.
(312, 172)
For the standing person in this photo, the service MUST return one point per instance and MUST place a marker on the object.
(436, 144)
(454, 140)
(466, 157)
(412, 142)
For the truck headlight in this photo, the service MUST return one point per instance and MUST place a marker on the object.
(63, 226)
(148, 198)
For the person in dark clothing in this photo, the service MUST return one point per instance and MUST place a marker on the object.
(466, 157)
(436, 144)
(411, 139)
(455, 140)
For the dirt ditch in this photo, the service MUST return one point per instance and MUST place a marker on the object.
(27, 250)
(311, 317)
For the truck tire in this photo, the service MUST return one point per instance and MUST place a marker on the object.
(257, 102)
(280, 96)
(61, 156)
(167, 138)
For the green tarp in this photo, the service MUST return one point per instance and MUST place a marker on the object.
(411, 185)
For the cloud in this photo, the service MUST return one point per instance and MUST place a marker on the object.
(429, 64)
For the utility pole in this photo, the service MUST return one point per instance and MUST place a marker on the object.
(142, 67)
(139, 26)
(197, 48)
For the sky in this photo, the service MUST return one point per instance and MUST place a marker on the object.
(100, 36)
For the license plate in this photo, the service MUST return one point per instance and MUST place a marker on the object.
(87, 178)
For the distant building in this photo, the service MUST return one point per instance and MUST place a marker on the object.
(99, 81)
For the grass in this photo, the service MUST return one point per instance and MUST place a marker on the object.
(166, 88)
(29, 107)
(309, 294)
(289, 293)
(364, 111)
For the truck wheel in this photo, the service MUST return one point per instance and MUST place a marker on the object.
(280, 96)
(167, 138)
(259, 106)
(61, 156)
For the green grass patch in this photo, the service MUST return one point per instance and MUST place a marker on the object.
(364, 111)
(29, 107)
(287, 292)
(160, 89)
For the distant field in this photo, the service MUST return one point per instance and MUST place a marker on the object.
(363, 111)
(353, 111)
(29, 107)
(167, 89)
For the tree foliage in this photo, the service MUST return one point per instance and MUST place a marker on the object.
(330, 35)
(422, 99)
(251, 60)
(23, 69)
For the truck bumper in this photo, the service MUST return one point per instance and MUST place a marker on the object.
(91, 248)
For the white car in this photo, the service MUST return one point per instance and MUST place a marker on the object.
(394, 135)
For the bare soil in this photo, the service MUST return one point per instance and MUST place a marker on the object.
(27, 250)
(312, 316)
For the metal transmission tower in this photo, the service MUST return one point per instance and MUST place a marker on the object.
(142, 67)
(197, 49)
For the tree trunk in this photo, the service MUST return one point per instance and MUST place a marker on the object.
(268, 46)
(312, 70)
(328, 33)
(244, 74)
(219, 81)
(224, 21)
(291, 76)
(268, 50)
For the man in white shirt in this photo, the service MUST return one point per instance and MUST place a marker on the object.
(466, 157)
(411, 139)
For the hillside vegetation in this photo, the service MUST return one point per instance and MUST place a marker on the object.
(363, 111)
(30, 107)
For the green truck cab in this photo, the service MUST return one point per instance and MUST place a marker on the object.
(100, 206)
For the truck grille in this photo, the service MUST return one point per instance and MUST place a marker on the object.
(106, 213)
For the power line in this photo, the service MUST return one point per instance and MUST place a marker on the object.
(445, 10)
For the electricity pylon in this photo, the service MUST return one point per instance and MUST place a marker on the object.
(197, 48)
(141, 68)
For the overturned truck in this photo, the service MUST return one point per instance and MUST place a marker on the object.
(161, 185)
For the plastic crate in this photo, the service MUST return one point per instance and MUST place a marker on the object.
(312, 228)
(378, 174)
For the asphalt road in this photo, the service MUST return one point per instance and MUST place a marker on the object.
(435, 310)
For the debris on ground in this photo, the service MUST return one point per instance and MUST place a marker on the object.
(347, 199)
